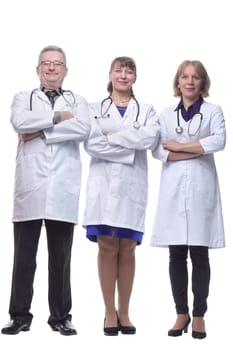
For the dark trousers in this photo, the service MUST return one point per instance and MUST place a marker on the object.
(59, 243)
(178, 271)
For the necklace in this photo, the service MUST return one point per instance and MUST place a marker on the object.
(119, 102)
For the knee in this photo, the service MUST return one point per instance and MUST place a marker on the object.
(178, 253)
(108, 246)
(127, 248)
(199, 255)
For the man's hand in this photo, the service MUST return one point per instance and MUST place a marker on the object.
(65, 115)
(31, 136)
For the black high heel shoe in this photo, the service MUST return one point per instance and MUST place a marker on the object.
(126, 329)
(178, 332)
(198, 335)
(111, 330)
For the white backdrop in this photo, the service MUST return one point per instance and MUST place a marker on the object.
(159, 35)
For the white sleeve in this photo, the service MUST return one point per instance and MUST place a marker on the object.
(97, 146)
(76, 128)
(146, 137)
(159, 152)
(24, 120)
(217, 139)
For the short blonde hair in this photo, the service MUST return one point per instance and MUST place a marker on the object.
(201, 71)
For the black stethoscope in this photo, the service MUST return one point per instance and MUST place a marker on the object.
(105, 114)
(59, 92)
(179, 129)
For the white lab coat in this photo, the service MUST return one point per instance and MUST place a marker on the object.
(189, 208)
(117, 183)
(48, 171)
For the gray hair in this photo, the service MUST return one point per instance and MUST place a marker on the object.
(52, 48)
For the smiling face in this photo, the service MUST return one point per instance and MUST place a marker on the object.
(51, 69)
(122, 77)
(189, 84)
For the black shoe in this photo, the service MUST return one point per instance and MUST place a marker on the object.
(111, 330)
(64, 327)
(125, 329)
(198, 335)
(15, 326)
(178, 332)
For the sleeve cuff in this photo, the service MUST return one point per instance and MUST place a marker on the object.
(56, 117)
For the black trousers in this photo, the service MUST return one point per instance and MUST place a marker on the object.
(178, 271)
(59, 243)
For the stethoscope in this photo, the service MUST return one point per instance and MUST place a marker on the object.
(105, 114)
(179, 129)
(59, 91)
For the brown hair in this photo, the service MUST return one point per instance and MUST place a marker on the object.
(124, 61)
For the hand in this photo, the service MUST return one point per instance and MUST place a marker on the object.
(65, 115)
(172, 145)
(31, 136)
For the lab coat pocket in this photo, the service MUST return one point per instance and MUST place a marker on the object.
(73, 175)
(29, 173)
(94, 186)
(138, 192)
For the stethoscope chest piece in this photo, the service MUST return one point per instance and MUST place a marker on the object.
(136, 124)
(179, 129)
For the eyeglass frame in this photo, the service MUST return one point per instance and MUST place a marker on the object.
(56, 63)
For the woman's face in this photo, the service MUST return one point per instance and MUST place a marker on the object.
(122, 78)
(190, 83)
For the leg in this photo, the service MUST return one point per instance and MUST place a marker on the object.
(107, 267)
(59, 239)
(200, 279)
(179, 277)
(126, 272)
(26, 238)
(179, 282)
(200, 284)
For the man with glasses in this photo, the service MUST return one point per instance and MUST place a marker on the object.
(51, 123)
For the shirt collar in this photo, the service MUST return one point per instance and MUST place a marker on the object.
(58, 91)
(193, 109)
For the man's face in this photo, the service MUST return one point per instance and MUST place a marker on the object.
(51, 69)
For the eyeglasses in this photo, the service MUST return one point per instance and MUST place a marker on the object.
(55, 63)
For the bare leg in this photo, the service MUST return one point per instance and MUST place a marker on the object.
(181, 321)
(126, 272)
(107, 267)
(198, 324)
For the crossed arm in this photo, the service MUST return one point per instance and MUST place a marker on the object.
(65, 115)
(182, 151)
